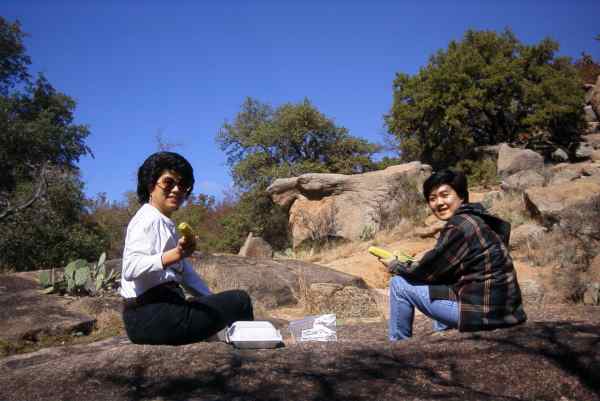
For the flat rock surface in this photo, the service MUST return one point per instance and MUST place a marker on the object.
(554, 356)
(26, 313)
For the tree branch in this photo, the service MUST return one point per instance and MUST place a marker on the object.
(39, 192)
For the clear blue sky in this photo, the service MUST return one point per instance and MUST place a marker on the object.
(137, 68)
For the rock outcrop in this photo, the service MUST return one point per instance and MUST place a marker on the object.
(522, 180)
(512, 160)
(549, 204)
(346, 206)
(27, 314)
(271, 283)
(554, 356)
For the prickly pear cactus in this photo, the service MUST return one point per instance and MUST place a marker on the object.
(44, 278)
(81, 276)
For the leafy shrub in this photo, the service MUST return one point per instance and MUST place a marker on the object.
(569, 248)
(479, 172)
(486, 89)
(367, 233)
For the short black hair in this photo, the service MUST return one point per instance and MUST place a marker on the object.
(456, 179)
(156, 164)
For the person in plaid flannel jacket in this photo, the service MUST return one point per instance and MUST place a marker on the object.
(467, 281)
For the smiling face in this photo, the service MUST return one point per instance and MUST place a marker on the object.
(444, 201)
(168, 193)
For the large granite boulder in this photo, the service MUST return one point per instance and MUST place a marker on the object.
(271, 283)
(554, 356)
(522, 180)
(549, 204)
(512, 160)
(346, 206)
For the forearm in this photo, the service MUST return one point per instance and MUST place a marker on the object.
(171, 257)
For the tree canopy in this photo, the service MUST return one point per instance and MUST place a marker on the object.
(264, 143)
(42, 208)
(486, 89)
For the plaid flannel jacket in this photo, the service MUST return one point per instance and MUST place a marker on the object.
(470, 264)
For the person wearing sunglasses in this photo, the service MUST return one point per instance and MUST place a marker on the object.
(467, 281)
(155, 267)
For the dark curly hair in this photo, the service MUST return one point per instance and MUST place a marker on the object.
(155, 165)
(456, 179)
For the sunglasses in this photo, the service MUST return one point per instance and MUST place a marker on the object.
(168, 184)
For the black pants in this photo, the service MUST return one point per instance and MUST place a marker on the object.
(162, 316)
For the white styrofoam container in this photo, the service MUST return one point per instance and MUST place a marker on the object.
(254, 334)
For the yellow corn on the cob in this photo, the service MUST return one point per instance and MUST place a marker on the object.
(186, 230)
(380, 252)
(383, 254)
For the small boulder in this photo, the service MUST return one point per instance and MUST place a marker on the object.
(256, 247)
(513, 160)
(560, 156)
(522, 180)
(583, 151)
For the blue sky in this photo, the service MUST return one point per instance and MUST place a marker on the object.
(139, 68)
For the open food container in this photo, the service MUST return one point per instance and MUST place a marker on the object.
(314, 328)
(254, 335)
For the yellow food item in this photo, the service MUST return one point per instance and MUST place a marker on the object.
(186, 231)
(383, 254)
(380, 252)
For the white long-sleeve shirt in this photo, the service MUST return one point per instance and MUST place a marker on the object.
(149, 234)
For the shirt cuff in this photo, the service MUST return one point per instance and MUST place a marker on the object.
(157, 264)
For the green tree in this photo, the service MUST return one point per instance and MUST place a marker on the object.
(113, 218)
(42, 208)
(263, 143)
(486, 89)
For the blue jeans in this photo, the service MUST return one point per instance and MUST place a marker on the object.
(405, 296)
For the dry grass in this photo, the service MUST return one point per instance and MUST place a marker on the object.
(511, 207)
(332, 251)
(567, 261)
